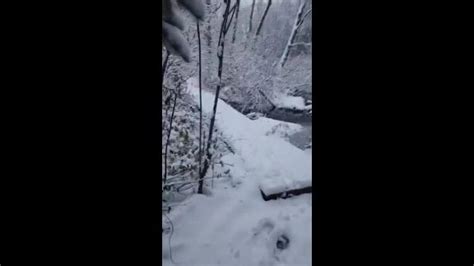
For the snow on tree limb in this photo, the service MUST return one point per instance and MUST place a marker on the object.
(298, 21)
(300, 43)
(302, 19)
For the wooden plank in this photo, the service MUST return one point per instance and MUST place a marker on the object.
(286, 194)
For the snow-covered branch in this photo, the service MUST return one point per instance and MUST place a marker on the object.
(291, 39)
(302, 19)
(300, 43)
(306, 14)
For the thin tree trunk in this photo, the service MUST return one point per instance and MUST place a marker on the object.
(200, 110)
(296, 24)
(209, 35)
(236, 19)
(251, 16)
(304, 16)
(166, 110)
(163, 70)
(220, 55)
(263, 17)
(232, 14)
(168, 139)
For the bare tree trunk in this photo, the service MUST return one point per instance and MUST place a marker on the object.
(163, 70)
(236, 19)
(167, 100)
(200, 110)
(168, 138)
(298, 21)
(269, 3)
(209, 38)
(220, 55)
(251, 16)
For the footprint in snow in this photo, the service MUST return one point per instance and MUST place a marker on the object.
(272, 240)
(279, 244)
(264, 225)
(237, 254)
(282, 242)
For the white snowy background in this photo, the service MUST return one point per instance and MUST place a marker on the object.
(261, 140)
(233, 225)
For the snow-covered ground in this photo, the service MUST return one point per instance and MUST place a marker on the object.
(289, 102)
(233, 225)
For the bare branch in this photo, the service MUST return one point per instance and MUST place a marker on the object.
(233, 10)
(306, 14)
(302, 19)
(200, 106)
(217, 8)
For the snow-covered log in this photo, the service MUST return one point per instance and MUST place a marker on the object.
(286, 194)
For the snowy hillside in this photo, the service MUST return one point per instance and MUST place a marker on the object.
(233, 225)
(228, 164)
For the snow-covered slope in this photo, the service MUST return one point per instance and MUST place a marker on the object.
(278, 164)
(233, 225)
(289, 102)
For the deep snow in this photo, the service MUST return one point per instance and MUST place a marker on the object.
(289, 102)
(233, 225)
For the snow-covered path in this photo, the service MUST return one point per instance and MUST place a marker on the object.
(234, 226)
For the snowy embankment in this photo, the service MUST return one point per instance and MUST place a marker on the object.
(233, 225)
(289, 102)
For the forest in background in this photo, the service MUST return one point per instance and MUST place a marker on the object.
(267, 55)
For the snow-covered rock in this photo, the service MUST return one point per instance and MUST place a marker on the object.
(289, 102)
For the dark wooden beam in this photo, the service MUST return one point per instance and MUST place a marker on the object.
(286, 194)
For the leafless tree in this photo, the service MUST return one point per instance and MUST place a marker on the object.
(269, 3)
(164, 65)
(226, 22)
(297, 24)
(251, 16)
(200, 110)
(168, 138)
(236, 20)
